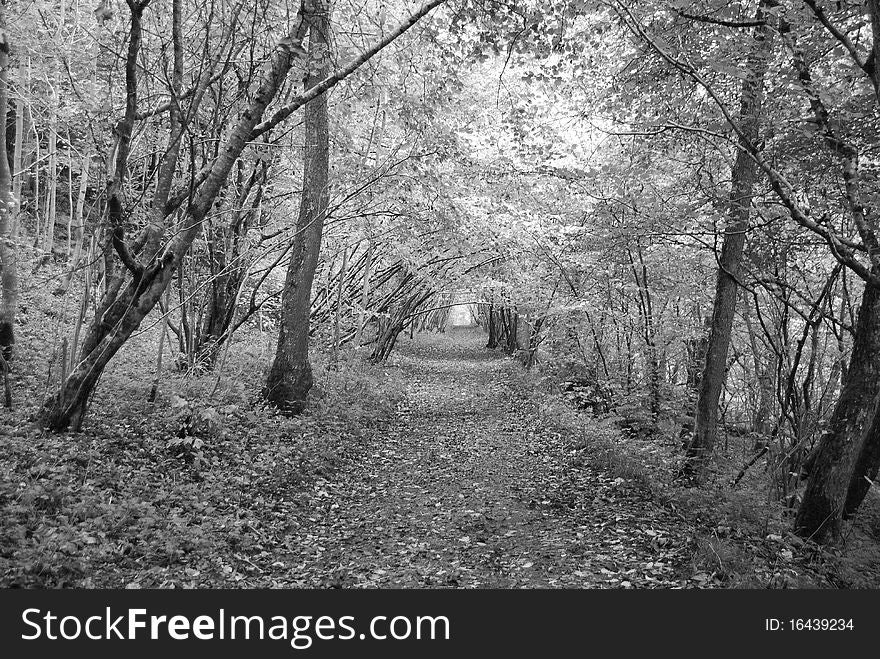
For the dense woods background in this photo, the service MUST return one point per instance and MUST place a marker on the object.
(222, 223)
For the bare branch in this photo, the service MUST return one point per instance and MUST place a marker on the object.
(318, 89)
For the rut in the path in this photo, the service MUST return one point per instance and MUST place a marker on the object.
(464, 489)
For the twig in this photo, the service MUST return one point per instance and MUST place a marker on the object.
(748, 465)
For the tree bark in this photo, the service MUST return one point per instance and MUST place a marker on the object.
(77, 223)
(866, 468)
(765, 378)
(290, 377)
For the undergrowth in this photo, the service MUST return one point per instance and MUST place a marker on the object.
(194, 488)
(743, 535)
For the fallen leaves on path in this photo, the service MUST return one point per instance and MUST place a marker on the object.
(466, 489)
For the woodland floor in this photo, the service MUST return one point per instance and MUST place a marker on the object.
(448, 467)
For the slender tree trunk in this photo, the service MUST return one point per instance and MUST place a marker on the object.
(534, 342)
(649, 332)
(79, 210)
(52, 178)
(743, 177)
(365, 295)
(765, 377)
(36, 186)
(374, 151)
(8, 265)
(229, 266)
(290, 377)
(154, 390)
(77, 223)
(17, 162)
(339, 298)
(83, 308)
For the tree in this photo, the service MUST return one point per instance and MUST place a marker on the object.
(290, 377)
(743, 177)
(8, 265)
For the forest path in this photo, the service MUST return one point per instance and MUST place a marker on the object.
(464, 489)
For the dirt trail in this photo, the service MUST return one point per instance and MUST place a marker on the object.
(464, 490)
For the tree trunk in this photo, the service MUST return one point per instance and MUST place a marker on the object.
(743, 180)
(365, 295)
(765, 378)
(70, 220)
(78, 223)
(17, 162)
(513, 331)
(654, 366)
(210, 334)
(290, 377)
(492, 326)
(848, 451)
(374, 152)
(866, 468)
(228, 270)
(67, 408)
(52, 177)
(821, 512)
(534, 342)
(8, 265)
(339, 299)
